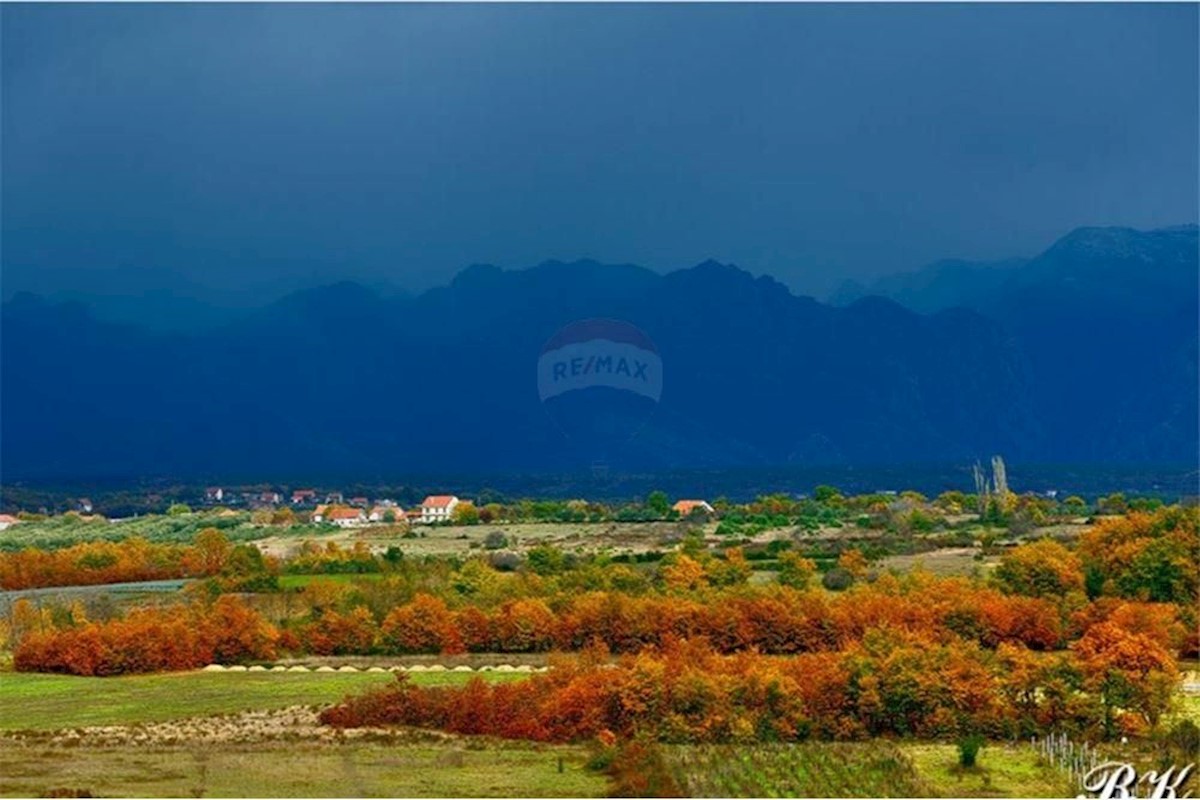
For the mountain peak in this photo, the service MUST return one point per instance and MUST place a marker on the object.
(1119, 243)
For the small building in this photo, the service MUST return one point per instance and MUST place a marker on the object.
(303, 497)
(380, 513)
(334, 498)
(359, 502)
(82, 505)
(214, 494)
(270, 498)
(437, 508)
(7, 520)
(346, 517)
(686, 508)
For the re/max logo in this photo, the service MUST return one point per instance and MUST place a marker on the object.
(600, 365)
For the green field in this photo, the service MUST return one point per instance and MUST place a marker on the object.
(1001, 771)
(300, 581)
(1188, 708)
(272, 769)
(812, 769)
(880, 768)
(47, 702)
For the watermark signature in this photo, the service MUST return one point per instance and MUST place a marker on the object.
(1115, 780)
(600, 381)
(600, 353)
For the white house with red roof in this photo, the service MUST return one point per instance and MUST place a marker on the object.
(380, 514)
(6, 520)
(437, 508)
(343, 516)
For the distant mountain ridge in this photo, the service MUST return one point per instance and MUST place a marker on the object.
(941, 285)
(1085, 353)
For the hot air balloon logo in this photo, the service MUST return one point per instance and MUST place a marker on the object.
(600, 381)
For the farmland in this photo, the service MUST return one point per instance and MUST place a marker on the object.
(300, 769)
(833, 647)
(807, 770)
(49, 702)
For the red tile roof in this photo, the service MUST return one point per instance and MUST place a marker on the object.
(345, 513)
(685, 507)
(438, 501)
(381, 510)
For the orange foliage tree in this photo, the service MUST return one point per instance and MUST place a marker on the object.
(152, 640)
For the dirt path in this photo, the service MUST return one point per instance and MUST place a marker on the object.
(295, 723)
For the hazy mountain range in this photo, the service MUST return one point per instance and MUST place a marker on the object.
(1086, 353)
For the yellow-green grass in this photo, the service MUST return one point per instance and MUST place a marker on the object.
(946, 562)
(1001, 771)
(456, 768)
(1188, 708)
(809, 769)
(31, 701)
(300, 581)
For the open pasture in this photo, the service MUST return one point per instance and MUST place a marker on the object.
(300, 769)
(862, 769)
(811, 769)
(30, 701)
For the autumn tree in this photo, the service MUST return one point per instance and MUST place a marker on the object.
(684, 574)
(1041, 568)
(733, 570)
(795, 570)
(1127, 671)
(1148, 556)
(854, 562)
(465, 513)
(425, 625)
(210, 551)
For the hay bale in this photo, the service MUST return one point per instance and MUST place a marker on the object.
(236, 668)
(298, 668)
(214, 668)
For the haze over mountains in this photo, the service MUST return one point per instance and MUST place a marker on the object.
(1086, 353)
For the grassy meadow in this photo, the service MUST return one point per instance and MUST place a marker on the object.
(33, 701)
(285, 769)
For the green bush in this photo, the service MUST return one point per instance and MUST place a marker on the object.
(837, 579)
(968, 749)
(1184, 737)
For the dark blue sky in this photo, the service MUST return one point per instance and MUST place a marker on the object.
(275, 146)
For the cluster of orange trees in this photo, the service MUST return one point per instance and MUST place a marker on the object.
(151, 640)
(890, 682)
(770, 620)
(133, 559)
(775, 620)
